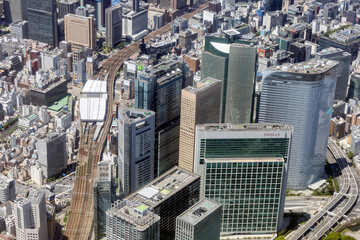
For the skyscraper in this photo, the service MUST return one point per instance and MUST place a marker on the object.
(113, 25)
(354, 88)
(159, 89)
(200, 222)
(168, 196)
(199, 105)
(131, 221)
(234, 62)
(42, 18)
(80, 31)
(67, 6)
(104, 195)
(100, 6)
(136, 148)
(301, 95)
(244, 168)
(30, 216)
(344, 59)
(15, 10)
(51, 151)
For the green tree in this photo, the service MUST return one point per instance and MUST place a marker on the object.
(280, 238)
(333, 236)
(348, 238)
(350, 155)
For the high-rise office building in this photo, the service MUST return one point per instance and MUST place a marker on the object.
(15, 10)
(42, 19)
(51, 150)
(104, 195)
(200, 222)
(234, 62)
(344, 59)
(100, 6)
(30, 216)
(113, 25)
(159, 89)
(354, 88)
(7, 189)
(168, 196)
(199, 104)
(244, 168)
(80, 31)
(136, 148)
(131, 221)
(301, 95)
(67, 6)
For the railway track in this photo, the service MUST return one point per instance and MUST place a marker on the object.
(80, 221)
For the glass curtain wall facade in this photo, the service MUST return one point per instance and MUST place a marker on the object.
(303, 100)
(234, 62)
(244, 168)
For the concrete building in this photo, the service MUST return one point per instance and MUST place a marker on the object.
(20, 29)
(113, 25)
(7, 189)
(131, 221)
(15, 10)
(42, 18)
(200, 222)
(136, 148)
(67, 6)
(80, 31)
(30, 216)
(52, 153)
(282, 88)
(63, 119)
(227, 61)
(168, 196)
(250, 162)
(104, 195)
(355, 140)
(344, 59)
(199, 105)
(134, 24)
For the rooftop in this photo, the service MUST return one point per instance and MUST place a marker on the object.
(310, 67)
(199, 211)
(132, 115)
(279, 159)
(244, 127)
(136, 214)
(202, 85)
(163, 187)
(95, 86)
(61, 103)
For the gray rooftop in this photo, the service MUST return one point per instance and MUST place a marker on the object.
(134, 213)
(163, 187)
(244, 127)
(310, 67)
(199, 211)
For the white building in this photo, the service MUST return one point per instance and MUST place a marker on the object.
(30, 216)
(36, 174)
(93, 101)
(135, 24)
(44, 115)
(63, 119)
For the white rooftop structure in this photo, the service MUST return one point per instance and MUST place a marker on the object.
(92, 109)
(95, 88)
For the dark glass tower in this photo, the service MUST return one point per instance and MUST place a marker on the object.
(42, 18)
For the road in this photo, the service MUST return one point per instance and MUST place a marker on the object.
(342, 202)
(80, 221)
